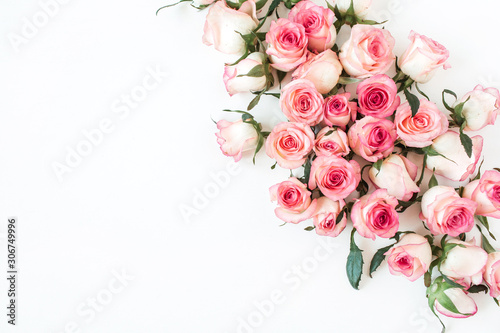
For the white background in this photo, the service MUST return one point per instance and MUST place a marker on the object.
(119, 208)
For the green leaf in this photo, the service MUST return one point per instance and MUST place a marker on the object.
(260, 143)
(421, 92)
(430, 151)
(427, 278)
(377, 166)
(259, 4)
(478, 175)
(457, 113)
(447, 303)
(309, 228)
(354, 266)
(257, 71)
(378, 258)
(307, 171)
(486, 243)
(362, 187)
(478, 289)
(484, 221)
(449, 92)
(413, 101)
(340, 216)
(452, 283)
(274, 166)
(348, 80)
(335, 11)
(281, 75)
(273, 6)
(496, 301)
(171, 5)
(433, 181)
(254, 102)
(466, 142)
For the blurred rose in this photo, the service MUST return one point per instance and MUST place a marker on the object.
(236, 84)
(236, 137)
(378, 96)
(481, 108)
(410, 257)
(323, 70)
(287, 44)
(486, 193)
(301, 102)
(325, 217)
(331, 141)
(294, 201)
(372, 138)
(360, 6)
(492, 274)
(338, 111)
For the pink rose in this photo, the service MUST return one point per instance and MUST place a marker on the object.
(486, 193)
(410, 257)
(334, 176)
(236, 84)
(287, 44)
(236, 137)
(375, 215)
(318, 22)
(481, 108)
(419, 131)
(457, 165)
(368, 52)
(301, 102)
(294, 201)
(492, 274)
(423, 57)
(397, 174)
(445, 212)
(378, 96)
(323, 70)
(338, 111)
(325, 217)
(289, 144)
(331, 141)
(223, 24)
(372, 138)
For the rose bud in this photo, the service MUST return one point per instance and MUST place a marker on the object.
(224, 25)
(423, 57)
(325, 217)
(378, 96)
(334, 176)
(410, 257)
(450, 301)
(331, 141)
(287, 44)
(425, 126)
(481, 108)
(289, 144)
(202, 3)
(375, 215)
(318, 22)
(236, 137)
(360, 6)
(338, 111)
(372, 138)
(445, 212)
(294, 201)
(486, 193)
(397, 174)
(301, 102)
(455, 165)
(235, 83)
(492, 274)
(323, 70)
(368, 51)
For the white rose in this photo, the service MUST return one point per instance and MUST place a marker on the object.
(360, 6)
(236, 137)
(481, 108)
(465, 264)
(323, 70)
(236, 84)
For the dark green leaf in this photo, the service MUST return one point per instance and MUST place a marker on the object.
(281, 75)
(478, 289)
(413, 101)
(309, 228)
(257, 71)
(377, 166)
(484, 221)
(433, 181)
(486, 243)
(421, 92)
(259, 4)
(273, 6)
(496, 301)
(354, 266)
(462, 236)
(466, 142)
(378, 258)
(340, 217)
(478, 175)
(348, 80)
(274, 166)
(260, 143)
(254, 102)
(427, 278)
(307, 171)
(452, 283)
(446, 91)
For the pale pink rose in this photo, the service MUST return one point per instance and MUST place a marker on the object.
(360, 6)
(486, 193)
(378, 96)
(202, 3)
(334, 176)
(368, 52)
(463, 303)
(301, 102)
(236, 84)
(318, 22)
(289, 144)
(457, 165)
(423, 57)
(397, 174)
(287, 44)
(294, 201)
(375, 215)
(331, 141)
(481, 108)
(372, 138)
(338, 111)
(492, 274)
(323, 70)
(236, 137)
(325, 217)
(419, 131)
(410, 257)
(223, 24)
(446, 213)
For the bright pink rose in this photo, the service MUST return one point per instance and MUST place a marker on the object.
(397, 174)
(331, 141)
(294, 201)
(334, 176)
(318, 22)
(372, 138)
(235, 83)
(378, 96)
(481, 108)
(338, 111)
(419, 131)
(287, 44)
(486, 193)
(410, 257)
(322, 69)
(301, 102)
(325, 217)
(236, 137)
(289, 144)
(375, 215)
(423, 57)
(445, 212)
(368, 52)
(492, 274)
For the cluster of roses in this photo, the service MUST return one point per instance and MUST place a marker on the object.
(329, 134)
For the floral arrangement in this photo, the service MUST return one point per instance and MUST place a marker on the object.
(354, 133)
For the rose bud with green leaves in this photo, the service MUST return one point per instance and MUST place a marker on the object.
(450, 300)
(481, 107)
